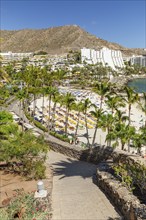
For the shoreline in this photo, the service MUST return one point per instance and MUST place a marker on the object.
(121, 81)
(127, 78)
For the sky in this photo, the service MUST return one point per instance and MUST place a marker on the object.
(119, 21)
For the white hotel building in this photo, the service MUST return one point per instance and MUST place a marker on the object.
(9, 56)
(112, 58)
(139, 60)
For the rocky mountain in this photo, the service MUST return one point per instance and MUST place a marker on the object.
(56, 40)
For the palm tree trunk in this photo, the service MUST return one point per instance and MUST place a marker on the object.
(88, 143)
(22, 103)
(66, 120)
(43, 101)
(34, 104)
(53, 115)
(129, 125)
(94, 136)
(129, 114)
(145, 108)
(123, 144)
(109, 141)
(27, 94)
(101, 100)
(49, 113)
(77, 125)
(19, 110)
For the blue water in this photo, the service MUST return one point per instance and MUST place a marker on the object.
(139, 85)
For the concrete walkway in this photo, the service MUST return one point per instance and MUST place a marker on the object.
(74, 195)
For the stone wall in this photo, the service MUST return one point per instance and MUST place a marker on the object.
(120, 196)
(125, 157)
(98, 154)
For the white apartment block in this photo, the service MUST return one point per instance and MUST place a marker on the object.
(112, 58)
(9, 56)
(139, 60)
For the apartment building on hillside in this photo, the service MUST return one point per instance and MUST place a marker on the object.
(112, 58)
(139, 60)
(10, 56)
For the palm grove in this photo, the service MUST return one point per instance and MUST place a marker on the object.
(43, 82)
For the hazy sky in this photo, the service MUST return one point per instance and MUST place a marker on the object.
(123, 22)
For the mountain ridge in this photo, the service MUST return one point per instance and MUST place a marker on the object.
(57, 40)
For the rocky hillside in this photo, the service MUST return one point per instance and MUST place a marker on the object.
(55, 40)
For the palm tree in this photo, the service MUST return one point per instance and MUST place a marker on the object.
(125, 133)
(120, 117)
(56, 99)
(4, 95)
(97, 114)
(21, 95)
(114, 124)
(143, 134)
(79, 108)
(132, 97)
(29, 76)
(114, 102)
(34, 91)
(143, 107)
(44, 80)
(42, 91)
(3, 76)
(138, 140)
(102, 89)
(50, 91)
(8, 130)
(10, 70)
(100, 71)
(108, 123)
(68, 101)
(82, 78)
(59, 76)
(46, 76)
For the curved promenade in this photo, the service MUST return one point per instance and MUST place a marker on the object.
(74, 195)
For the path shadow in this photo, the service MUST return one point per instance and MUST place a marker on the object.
(70, 168)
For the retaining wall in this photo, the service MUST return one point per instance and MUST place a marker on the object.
(125, 201)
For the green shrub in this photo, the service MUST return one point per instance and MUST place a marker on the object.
(60, 136)
(39, 170)
(41, 53)
(4, 214)
(28, 116)
(131, 175)
(23, 153)
(24, 205)
(39, 125)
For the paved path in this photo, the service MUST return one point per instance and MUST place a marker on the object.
(74, 195)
